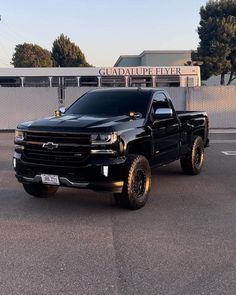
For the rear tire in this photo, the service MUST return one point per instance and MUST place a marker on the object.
(193, 162)
(137, 183)
(40, 190)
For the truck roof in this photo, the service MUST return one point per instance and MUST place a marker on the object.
(126, 89)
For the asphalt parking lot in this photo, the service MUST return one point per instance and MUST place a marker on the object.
(78, 242)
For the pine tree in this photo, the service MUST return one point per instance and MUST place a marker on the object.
(217, 33)
(67, 54)
(31, 55)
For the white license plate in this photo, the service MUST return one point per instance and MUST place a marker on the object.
(50, 179)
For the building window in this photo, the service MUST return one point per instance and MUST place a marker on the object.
(55, 81)
(113, 81)
(141, 82)
(10, 82)
(91, 81)
(36, 82)
(71, 81)
(167, 81)
(67, 81)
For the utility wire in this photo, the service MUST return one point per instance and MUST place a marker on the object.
(13, 32)
(4, 50)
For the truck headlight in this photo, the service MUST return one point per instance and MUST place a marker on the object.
(102, 138)
(19, 135)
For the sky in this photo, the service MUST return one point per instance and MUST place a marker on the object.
(103, 29)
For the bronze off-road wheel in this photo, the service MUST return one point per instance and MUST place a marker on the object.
(137, 183)
(193, 162)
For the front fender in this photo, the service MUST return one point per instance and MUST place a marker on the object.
(138, 141)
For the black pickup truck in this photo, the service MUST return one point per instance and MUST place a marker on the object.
(107, 140)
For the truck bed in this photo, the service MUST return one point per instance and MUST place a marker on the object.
(188, 115)
(191, 113)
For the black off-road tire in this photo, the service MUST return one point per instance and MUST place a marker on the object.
(40, 190)
(192, 163)
(136, 185)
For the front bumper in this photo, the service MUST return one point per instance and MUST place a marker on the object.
(113, 186)
(90, 176)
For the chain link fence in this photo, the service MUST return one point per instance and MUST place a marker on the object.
(26, 104)
(218, 101)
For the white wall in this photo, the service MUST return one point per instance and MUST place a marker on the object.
(165, 59)
(215, 81)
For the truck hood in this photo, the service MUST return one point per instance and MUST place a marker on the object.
(83, 123)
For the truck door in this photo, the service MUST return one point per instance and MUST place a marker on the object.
(166, 133)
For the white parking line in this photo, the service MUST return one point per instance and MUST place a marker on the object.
(222, 140)
(222, 131)
(229, 153)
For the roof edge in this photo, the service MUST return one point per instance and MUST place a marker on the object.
(164, 51)
(152, 52)
(126, 56)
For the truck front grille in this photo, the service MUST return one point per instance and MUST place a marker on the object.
(58, 137)
(57, 149)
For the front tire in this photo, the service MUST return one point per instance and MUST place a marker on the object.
(193, 162)
(40, 190)
(137, 183)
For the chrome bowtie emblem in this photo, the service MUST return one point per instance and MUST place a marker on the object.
(50, 145)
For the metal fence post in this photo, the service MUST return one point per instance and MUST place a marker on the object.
(61, 92)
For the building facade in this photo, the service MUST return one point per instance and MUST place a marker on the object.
(166, 58)
(132, 76)
(152, 58)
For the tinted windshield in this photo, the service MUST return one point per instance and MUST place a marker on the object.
(111, 103)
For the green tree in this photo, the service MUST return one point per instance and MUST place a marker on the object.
(67, 54)
(217, 33)
(31, 55)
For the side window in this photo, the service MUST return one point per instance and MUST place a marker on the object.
(160, 101)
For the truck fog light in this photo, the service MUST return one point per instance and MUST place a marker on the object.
(105, 170)
(14, 163)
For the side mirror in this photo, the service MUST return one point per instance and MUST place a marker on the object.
(164, 113)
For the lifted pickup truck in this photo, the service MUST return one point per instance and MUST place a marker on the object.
(108, 140)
